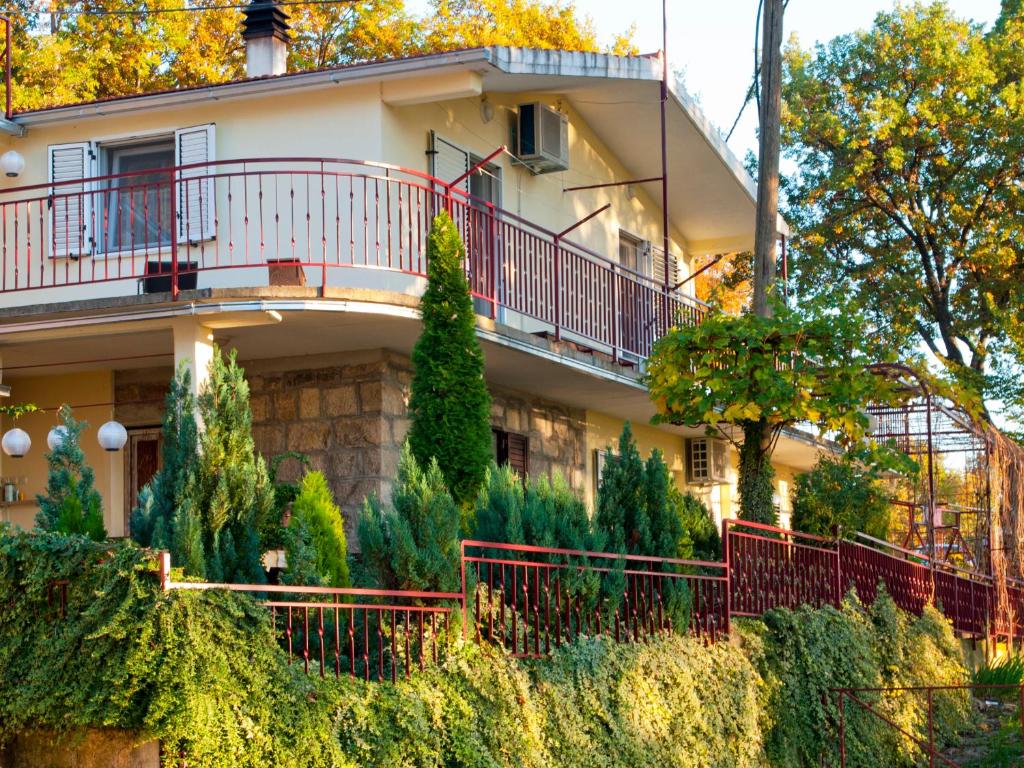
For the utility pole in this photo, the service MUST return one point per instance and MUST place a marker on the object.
(770, 118)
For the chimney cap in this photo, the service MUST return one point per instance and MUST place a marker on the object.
(265, 18)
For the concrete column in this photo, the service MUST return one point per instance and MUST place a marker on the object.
(193, 345)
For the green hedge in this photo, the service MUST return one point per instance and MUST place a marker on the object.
(203, 673)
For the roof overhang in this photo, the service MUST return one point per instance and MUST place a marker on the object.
(712, 199)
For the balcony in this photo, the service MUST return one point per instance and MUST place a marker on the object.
(322, 224)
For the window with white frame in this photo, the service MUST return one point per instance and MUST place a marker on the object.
(112, 196)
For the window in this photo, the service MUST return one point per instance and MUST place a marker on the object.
(631, 251)
(94, 214)
(512, 449)
(136, 209)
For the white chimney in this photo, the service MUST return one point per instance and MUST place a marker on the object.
(265, 31)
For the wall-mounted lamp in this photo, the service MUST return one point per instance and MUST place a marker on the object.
(12, 163)
(486, 110)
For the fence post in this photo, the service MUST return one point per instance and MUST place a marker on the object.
(464, 600)
(728, 574)
(557, 264)
(1020, 714)
(931, 731)
(175, 224)
(164, 570)
(842, 729)
(839, 570)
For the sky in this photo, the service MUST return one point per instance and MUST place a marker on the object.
(712, 41)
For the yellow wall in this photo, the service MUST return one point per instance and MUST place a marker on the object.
(79, 389)
(352, 121)
(722, 500)
(539, 199)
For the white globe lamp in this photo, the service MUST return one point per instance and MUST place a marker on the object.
(12, 163)
(112, 436)
(16, 443)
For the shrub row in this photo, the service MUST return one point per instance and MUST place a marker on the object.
(203, 673)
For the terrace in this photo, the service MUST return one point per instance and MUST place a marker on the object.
(316, 224)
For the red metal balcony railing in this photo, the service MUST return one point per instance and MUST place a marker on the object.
(189, 226)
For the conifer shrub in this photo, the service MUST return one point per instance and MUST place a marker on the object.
(315, 542)
(449, 404)
(633, 502)
(71, 503)
(538, 512)
(212, 503)
(154, 522)
(413, 543)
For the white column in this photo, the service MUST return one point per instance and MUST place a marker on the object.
(193, 344)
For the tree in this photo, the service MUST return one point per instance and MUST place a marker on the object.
(455, 24)
(840, 495)
(71, 503)
(633, 502)
(537, 512)
(413, 544)
(344, 33)
(320, 530)
(449, 404)
(909, 143)
(152, 522)
(74, 54)
(758, 376)
(231, 488)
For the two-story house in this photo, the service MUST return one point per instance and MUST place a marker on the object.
(285, 216)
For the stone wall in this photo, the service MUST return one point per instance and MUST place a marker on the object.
(557, 433)
(348, 414)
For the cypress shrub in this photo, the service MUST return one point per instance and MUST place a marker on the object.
(231, 489)
(153, 521)
(71, 503)
(414, 543)
(315, 538)
(449, 403)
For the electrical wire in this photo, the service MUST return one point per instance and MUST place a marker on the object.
(197, 8)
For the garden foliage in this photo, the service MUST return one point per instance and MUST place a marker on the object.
(71, 503)
(802, 655)
(840, 495)
(202, 672)
(212, 503)
(449, 404)
(414, 543)
(762, 376)
(315, 537)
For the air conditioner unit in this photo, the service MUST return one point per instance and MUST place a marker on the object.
(707, 461)
(542, 138)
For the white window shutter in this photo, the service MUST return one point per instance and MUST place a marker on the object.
(448, 162)
(195, 197)
(71, 202)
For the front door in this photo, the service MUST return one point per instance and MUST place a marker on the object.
(142, 461)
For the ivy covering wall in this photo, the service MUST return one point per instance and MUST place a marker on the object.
(203, 673)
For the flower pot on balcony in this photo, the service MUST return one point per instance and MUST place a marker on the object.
(285, 272)
(160, 282)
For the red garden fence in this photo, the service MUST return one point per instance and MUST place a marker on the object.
(530, 600)
(375, 634)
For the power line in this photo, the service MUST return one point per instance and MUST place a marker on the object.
(191, 9)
